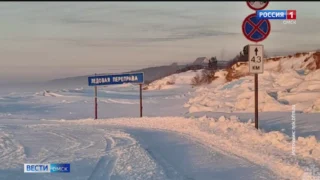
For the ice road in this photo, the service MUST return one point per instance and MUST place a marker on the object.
(109, 152)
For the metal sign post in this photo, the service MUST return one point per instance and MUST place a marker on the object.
(95, 102)
(140, 85)
(256, 102)
(134, 78)
(256, 30)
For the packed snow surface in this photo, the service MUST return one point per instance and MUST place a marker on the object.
(272, 150)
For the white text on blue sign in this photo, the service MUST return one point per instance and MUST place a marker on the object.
(276, 14)
(116, 79)
(46, 168)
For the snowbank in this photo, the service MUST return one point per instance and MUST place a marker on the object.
(303, 62)
(48, 94)
(126, 85)
(173, 81)
(286, 81)
(79, 89)
(315, 107)
(119, 101)
(272, 150)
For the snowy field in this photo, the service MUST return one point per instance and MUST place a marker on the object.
(200, 133)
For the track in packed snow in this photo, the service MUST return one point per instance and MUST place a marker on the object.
(104, 152)
(94, 153)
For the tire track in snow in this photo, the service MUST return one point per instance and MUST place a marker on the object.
(67, 143)
(74, 143)
(6, 146)
(117, 154)
(182, 158)
(77, 145)
(104, 167)
(10, 150)
(169, 170)
(71, 140)
(110, 143)
(106, 164)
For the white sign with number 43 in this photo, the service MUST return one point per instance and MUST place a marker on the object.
(255, 58)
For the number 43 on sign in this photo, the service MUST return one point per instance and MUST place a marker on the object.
(255, 58)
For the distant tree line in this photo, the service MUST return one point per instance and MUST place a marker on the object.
(213, 63)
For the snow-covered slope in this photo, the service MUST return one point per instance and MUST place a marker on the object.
(173, 81)
(299, 61)
(286, 81)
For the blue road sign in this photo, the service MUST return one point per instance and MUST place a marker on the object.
(136, 78)
(255, 29)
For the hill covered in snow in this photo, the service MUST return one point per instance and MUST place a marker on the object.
(151, 74)
(286, 81)
(173, 81)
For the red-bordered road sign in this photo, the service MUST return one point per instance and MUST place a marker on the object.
(255, 29)
(257, 5)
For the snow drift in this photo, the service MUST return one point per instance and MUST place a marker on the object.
(173, 81)
(48, 94)
(286, 81)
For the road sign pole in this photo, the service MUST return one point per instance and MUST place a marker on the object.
(113, 79)
(256, 30)
(96, 102)
(256, 100)
(141, 107)
(256, 61)
(256, 120)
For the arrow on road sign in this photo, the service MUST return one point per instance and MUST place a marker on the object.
(255, 58)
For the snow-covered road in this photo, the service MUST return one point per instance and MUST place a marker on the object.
(107, 152)
(185, 159)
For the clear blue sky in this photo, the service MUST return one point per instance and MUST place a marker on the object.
(47, 40)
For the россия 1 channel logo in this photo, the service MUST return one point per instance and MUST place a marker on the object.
(46, 168)
(288, 16)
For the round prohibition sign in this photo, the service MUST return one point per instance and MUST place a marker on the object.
(255, 29)
(257, 5)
